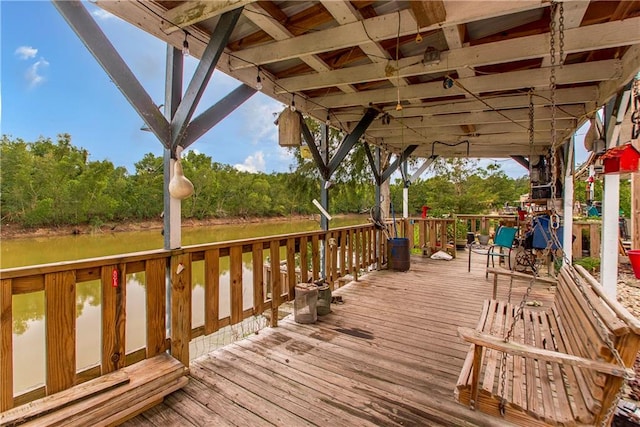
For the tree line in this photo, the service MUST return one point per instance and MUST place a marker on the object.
(54, 183)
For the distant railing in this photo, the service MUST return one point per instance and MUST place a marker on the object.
(587, 239)
(348, 250)
(432, 234)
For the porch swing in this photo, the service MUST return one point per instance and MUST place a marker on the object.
(561, 365)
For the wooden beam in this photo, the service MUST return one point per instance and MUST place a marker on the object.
(569, 74)
(275, 29)
(627, 69)
(428, 13)
(373, 29)
(192, 12)
(519, 115)
(581, 39)
(577, 95)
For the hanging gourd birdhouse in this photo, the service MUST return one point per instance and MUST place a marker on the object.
(289, 128)
(622, 159)
(179, 187)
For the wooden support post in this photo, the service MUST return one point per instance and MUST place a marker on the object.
(276, 290)
(155, 270)
(212, 290)
(6, 345)
(291, 268)
(258, 278)
(304, 260)
(315, 257)
(114, 308)
(60, 312)
(181, 307)
(235, 273)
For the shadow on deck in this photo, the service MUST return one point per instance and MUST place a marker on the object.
(388, 356)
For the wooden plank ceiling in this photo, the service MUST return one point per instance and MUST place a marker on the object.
(340, 57)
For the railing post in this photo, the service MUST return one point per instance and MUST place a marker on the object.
(60, 312)
(276, 290)
(114, 303)
(181, 307)
(155, 270)
(6, 345)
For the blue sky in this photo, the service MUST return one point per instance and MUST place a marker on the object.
(51, 84)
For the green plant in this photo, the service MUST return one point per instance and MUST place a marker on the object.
(589, 263)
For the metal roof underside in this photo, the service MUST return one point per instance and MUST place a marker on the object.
(341, 57)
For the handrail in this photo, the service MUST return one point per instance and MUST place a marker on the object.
(348, 250)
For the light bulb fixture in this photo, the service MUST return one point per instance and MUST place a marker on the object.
(185, 45)
(447, 83)
(398, 106)
(418, 38)
(431, 56)
(292, 107)
(258, 81)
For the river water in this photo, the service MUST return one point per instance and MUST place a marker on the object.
(28, 309)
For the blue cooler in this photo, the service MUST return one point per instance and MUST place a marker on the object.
(541, 233)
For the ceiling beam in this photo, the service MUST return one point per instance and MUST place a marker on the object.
(374, 29)
(344, 13)
(578, 95)
(628, 69)
(573, 13)
(263, 19)
(569, 74)
(602, 36)
(347, 144)
(453, 131)
(428, 13)
(397, 162)
(192, 12)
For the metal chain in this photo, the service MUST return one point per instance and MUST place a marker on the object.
(561, 33)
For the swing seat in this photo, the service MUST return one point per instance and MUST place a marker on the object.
(559, 369)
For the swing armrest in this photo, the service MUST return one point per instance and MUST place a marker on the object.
(496, 343)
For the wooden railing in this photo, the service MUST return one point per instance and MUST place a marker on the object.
(478, 223)
(349, 250)
(587, 239)
(432, 234)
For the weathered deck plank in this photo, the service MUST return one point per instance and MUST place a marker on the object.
(388, 356)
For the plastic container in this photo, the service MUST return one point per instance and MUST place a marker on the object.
(634, 259)
(398, 254)
(305, 303)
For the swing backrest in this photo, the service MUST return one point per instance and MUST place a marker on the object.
(581, 335)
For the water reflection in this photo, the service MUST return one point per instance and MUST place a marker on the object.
(28, 309)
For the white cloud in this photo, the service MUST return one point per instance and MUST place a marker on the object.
(259, 117)
(26, 52)
(253, 163)
(102, 14)
(33, 75)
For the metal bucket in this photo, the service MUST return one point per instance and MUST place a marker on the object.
(398, 254)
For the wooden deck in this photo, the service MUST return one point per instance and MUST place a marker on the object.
(388, 356)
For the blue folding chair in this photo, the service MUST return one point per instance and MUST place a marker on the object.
(505, 236)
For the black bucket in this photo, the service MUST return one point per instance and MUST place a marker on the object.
(398, 254)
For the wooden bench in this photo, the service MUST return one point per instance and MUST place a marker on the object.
(559, 369)
(107, 400)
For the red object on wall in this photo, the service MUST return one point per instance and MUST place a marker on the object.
(623, 159)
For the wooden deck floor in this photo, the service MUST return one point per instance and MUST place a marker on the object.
(388, 356)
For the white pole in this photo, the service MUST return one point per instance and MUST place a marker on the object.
(609, 247)
(567, 235)
(405, 202)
